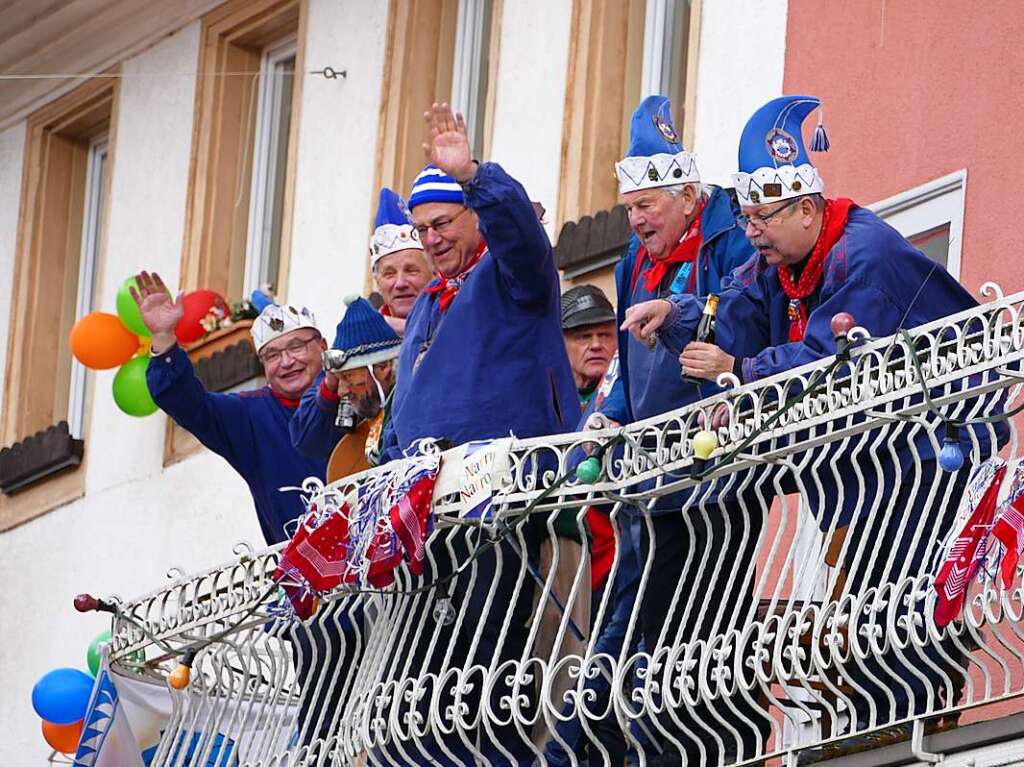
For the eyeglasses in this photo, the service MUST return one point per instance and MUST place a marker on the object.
(292, 348)
(761, 220)
(439, 225)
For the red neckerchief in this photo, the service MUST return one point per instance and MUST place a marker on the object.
(288, 403)
(833, 222)
(449, 287)
(685, 252)
(384, 310)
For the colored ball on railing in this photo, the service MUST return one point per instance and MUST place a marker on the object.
(951, 456)
(131, 392)
(128, 310)
(63, 737)
(704, 444)
(94, 655)
(589, 471)
(86, 603)
(842, 323)
(62, 695)
(101, 341)
(197, 305)
(180, 677)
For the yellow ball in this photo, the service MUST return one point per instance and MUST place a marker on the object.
(704, 444)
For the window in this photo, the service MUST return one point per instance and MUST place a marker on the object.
(92, 236)
(470, 69)
(58, 258)
(931, 216)
(269, 167)
(237, 233)
(666, 43)
(619, 53)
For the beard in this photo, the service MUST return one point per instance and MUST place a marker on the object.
(367, 407)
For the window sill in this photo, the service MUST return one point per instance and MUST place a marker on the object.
(40, 473)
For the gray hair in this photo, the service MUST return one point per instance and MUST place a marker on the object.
(677, 189)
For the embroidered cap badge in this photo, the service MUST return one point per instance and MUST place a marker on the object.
(781, 145)
(665, 129)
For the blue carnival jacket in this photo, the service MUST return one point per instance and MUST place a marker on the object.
(650, 379)
(495, 362)
(873, 273)
(312, 428)
(249, 430)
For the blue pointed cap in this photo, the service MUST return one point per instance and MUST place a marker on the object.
(364, 335)
(651, 131)
(655, 157)
(391, 209)
(393, 230)
(773, 161)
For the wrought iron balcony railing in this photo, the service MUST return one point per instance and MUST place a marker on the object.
(777, 599)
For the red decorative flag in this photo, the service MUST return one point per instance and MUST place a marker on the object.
(319, 555)
(1009, 531)
(966, 556)
(410, 519)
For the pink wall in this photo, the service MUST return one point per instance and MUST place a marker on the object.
(916, 89)
(913, 90)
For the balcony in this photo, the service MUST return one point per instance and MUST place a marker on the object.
(776, 600)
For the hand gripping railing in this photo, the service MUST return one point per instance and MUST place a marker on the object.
(777, 597)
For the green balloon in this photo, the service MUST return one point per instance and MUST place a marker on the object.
(589, 471)
(130, 390)
(128, 310)
(93, 655)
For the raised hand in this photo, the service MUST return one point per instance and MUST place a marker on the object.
(448, 147)
(160, 313)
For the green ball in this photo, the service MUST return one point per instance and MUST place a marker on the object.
(589, 471)
(93, 655)
(128, 310)
(131, 393)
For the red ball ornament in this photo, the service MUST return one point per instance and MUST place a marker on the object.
(842, 324)
(197, 305)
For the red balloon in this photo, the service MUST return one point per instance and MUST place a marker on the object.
(63, 737)
(197, 305)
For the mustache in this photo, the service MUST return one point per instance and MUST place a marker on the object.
(761, 242)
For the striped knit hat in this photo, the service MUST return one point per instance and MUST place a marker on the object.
(434, 185)
(364, 335)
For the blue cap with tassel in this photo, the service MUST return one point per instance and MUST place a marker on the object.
(773, 163)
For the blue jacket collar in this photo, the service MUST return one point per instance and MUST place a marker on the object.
(719, 216)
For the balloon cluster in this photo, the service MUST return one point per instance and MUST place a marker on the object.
(102, 341)
(61, 698)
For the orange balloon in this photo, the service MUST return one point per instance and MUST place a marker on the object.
(63, 737)
(101, 341)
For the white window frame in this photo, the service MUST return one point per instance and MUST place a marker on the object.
(928, 206)
(469, 62)
(96, 168)
(662, 51)
(265, 146)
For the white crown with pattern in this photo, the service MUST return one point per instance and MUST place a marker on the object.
(276, 320)
(776, 184)
(636, 173)
(391, 238)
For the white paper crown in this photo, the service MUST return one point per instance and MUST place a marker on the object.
(275, 320)
(776, 184)
(658, 170)
(391, 238)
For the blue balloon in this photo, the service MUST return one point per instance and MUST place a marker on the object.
(62, 695)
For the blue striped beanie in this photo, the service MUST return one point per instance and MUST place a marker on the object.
(434, 185)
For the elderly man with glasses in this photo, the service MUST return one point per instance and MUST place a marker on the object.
(482, 357)
(248, 429)
(817, 257)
